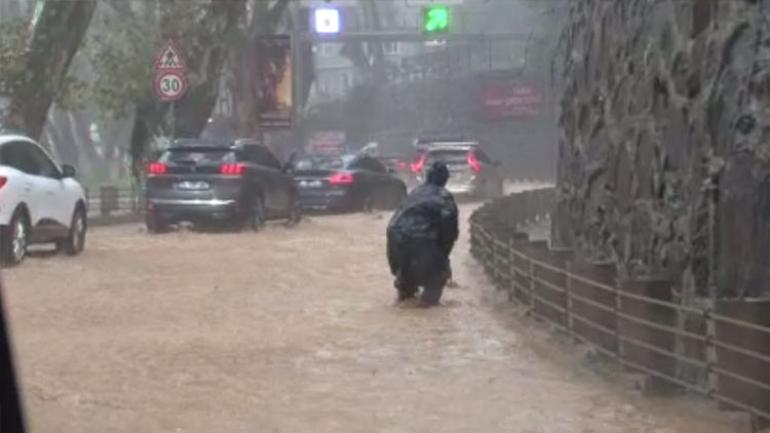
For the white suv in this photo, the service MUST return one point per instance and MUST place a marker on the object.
(40, 202)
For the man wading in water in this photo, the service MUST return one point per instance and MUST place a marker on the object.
(421, 236)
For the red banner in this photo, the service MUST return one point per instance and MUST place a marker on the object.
(506, 98)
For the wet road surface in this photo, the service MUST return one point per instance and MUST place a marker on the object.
(291, 330)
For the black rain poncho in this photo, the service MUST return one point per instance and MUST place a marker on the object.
(421, 235)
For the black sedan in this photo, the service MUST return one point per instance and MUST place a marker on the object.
(241, 183)
(346, 183)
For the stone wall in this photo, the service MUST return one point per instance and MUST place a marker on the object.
(664, 158)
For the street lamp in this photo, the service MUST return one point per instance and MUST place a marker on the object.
(326, 21)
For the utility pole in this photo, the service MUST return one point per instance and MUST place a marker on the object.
(298, 42)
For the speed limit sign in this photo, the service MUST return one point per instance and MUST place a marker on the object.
(170, 85)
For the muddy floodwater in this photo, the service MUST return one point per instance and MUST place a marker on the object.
(293, 330)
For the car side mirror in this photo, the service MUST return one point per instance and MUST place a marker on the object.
(68, 171)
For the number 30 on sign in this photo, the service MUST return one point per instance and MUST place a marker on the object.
(170, 85)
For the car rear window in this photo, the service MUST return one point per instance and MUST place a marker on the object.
(198, 155)
(448, 156)
(322, 163)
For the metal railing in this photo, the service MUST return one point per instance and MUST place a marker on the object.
(111, 200)
(636, 323)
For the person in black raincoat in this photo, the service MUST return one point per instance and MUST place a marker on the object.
(421, 235)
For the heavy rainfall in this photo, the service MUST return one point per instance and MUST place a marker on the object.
(524, 216)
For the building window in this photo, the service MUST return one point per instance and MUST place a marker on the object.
(391, 48)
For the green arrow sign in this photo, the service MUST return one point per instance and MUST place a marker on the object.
(435, 19)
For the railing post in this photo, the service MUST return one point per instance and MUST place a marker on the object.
(108, 199)
(496, 271)
(532, 284)
(511, 271)
(616, 309)
(654, 343)
(568, 302)
(712, 379)
(506, 263)
(134, 200)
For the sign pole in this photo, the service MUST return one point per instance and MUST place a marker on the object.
(170, 79)
(173, 119)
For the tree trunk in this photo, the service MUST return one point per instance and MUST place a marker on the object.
(207, 56)
(207, 49)
(81, 134)
(58, 30)
(245, 94)
(61, 136)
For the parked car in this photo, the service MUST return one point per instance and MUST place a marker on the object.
(472, 171)
(346, 183)
(40, 201)
(241, 183)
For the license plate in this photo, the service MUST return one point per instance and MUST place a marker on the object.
(193, 186)
(310, 183)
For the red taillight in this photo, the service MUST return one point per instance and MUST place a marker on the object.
(401, 165)
(157, 168)
(232, 169)
(3, 181)
(341, 178)
(419, 163)
(474, 162)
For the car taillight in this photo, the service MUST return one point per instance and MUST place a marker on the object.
(401, 165)
(419, 163)
(474, 162)
(3, 181)
(232, 169)
(341, 178)
(157, 168)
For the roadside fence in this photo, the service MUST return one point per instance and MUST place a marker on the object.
(109, 201)
(716, 348)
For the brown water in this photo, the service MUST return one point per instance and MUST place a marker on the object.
(293, 330)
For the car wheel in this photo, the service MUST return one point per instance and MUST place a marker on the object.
(75, 241)
(155, 225)
(15, 238)
(256, 216)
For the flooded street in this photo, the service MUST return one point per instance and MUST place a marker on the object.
(290, 330)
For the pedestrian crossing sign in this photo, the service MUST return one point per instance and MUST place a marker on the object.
(169, 58)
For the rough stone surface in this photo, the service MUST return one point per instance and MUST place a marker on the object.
(664, 162)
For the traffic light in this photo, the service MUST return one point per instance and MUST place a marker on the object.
(436, 19)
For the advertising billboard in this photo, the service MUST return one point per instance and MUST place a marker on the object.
(509, 98)
(275, 77)
(326, 143)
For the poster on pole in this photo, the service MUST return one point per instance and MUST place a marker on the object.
(274, 84)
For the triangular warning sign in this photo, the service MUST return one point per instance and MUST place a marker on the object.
(169, 58)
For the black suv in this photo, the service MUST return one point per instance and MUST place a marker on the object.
(242, 183)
